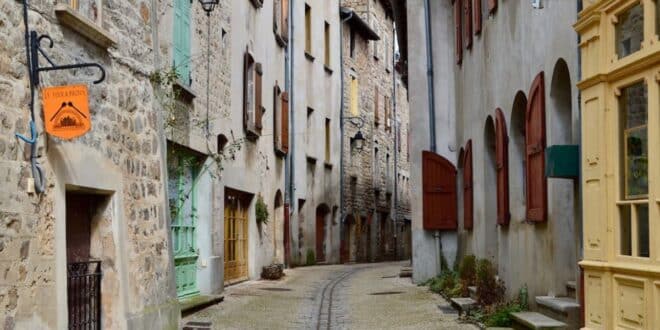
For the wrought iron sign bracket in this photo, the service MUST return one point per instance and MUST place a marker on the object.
(35, 49)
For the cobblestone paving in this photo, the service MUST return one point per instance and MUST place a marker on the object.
(362, 296)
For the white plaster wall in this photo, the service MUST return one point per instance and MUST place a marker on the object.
(516, 43)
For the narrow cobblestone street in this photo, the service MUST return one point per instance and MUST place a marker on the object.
(359, 296)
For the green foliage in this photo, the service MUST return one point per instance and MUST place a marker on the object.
(468, 270)
(500, 316)
(490, 290)
(261, 211)
(522, 298)
(310, 258)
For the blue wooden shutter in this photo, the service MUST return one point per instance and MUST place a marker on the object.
(182, 40)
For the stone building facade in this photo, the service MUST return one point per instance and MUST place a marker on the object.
(375, 205)
(313, 192)
(497, 100)
(103, 193)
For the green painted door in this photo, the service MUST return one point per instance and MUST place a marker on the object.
(183, 207)
(181, 40)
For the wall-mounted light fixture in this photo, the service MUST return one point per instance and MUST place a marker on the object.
(209, 5)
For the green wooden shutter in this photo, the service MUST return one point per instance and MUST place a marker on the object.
(182, 40)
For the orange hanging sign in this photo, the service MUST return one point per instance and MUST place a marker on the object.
(66, 111)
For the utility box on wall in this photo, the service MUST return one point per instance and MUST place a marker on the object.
(562, 161)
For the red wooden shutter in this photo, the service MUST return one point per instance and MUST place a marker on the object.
(439, 186)
(258, 105)
(285, 122)
(537, 183)
(502, 158)
(477, 17)
(492, 6)
(467, 20)
(285, 20)
(468, 191)
(247, 61)
(458, 32)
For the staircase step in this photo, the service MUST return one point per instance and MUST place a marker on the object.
(533, 320)
(558, 304)
(464, 304)
(571, 288)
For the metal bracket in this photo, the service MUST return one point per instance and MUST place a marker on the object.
(357, 121)
(35, 48)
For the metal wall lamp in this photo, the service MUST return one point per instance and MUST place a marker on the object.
(357, 141)
(209, 5)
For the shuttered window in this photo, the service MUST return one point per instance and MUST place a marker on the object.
(308, 29)
(252, 97)
(285, 123)
(468, 191)
(181, 40)
(467, 21)
(502, 163)
(458, 31)
(477, 17)
(492, 6)
(354, 96)
(537, 184)
(439, 188)
(284, 26)
(388, 114)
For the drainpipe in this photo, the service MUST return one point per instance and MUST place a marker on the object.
(396, 141)
(431, 100)
(290, 188)
(342, 212)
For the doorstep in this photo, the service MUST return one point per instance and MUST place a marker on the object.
(195, 303)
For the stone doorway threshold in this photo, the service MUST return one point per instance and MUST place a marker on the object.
(190, 305)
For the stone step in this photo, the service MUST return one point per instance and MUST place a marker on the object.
(473, 292)
(464, 305)
(571, 289)
(534, 320)
(564, 309)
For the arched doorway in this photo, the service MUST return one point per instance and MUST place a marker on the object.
(322, 212)
(278, 228)
(490, 198)
(347, 250)
(517, 157)
(563, 194)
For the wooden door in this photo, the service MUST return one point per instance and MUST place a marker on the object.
(320, 236)
(502, 156)
(236, 238)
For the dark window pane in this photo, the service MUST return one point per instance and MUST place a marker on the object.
(624, 229)
(633, 105)
(630, 31)
(643, 231)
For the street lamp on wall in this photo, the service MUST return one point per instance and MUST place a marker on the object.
(358, 141)
(209, 5)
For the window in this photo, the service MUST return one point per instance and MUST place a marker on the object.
(477, 17)
(352, 43)
(633, 105)
(181, 41)
(327, 140)
(467, 22)
(256, 3)
(252, 105)
(629, 31)
(91, 10)
(281, 21)
(376, 166)
(326, 58)
(376, 45)
(458, 32)
(657, 18)
(376, 107)
(354, 96)
(388, 114)
(308, 29)
(281, 121)
(634, 210)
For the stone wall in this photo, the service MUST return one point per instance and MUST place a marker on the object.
(369, 175)
(120, 159)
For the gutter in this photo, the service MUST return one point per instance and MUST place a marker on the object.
(290, 188)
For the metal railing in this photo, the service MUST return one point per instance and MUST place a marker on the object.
(84, 294)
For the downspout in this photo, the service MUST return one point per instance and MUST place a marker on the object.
(291, 159)
(342, 213)
(431, 100)
(396, 141)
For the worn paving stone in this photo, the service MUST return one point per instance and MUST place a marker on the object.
(249, 306)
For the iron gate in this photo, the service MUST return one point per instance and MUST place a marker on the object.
(84, 294)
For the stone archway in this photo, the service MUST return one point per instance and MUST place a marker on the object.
(517, 174)
(490, 198)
